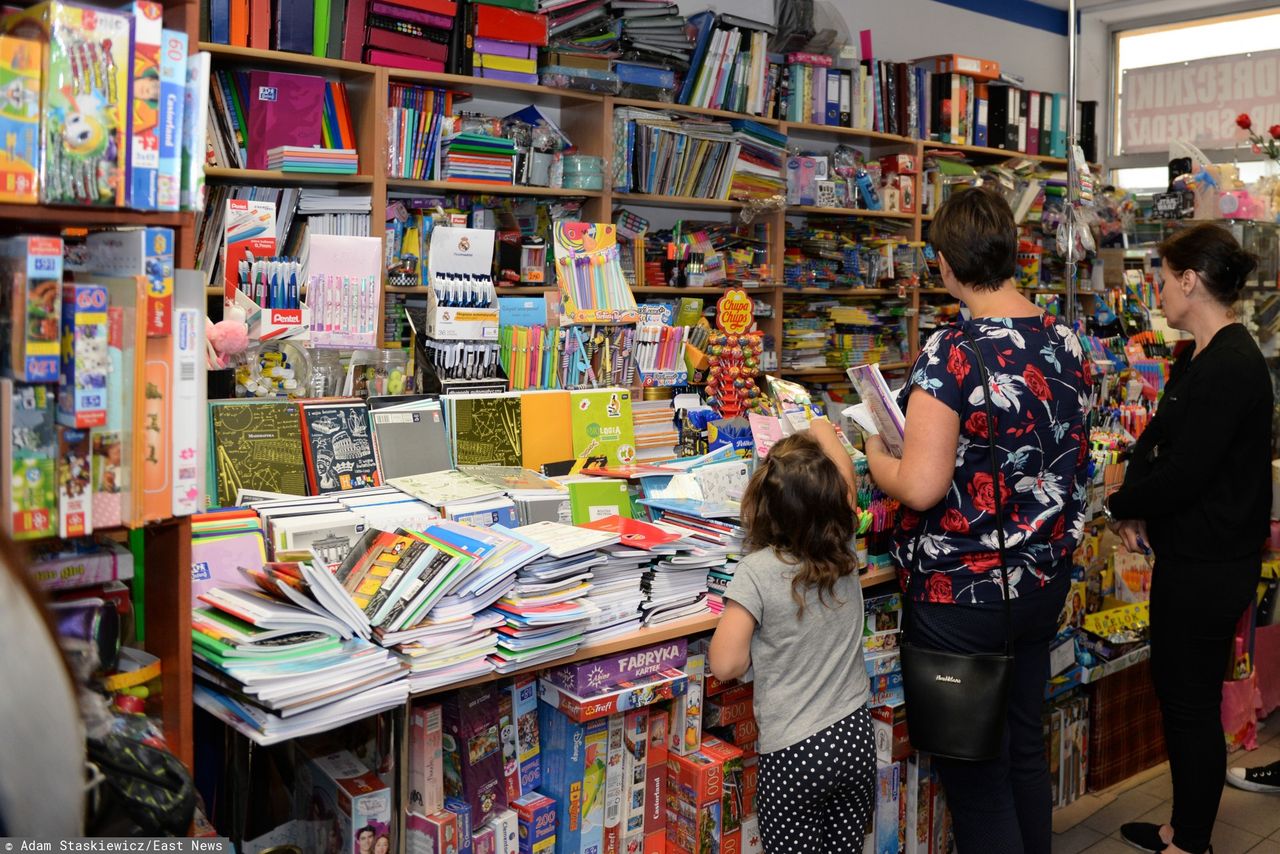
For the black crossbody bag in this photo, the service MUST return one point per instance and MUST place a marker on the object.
(957, 702)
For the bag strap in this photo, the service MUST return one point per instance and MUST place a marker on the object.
(985, 378)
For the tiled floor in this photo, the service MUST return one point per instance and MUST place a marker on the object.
(1247, 822)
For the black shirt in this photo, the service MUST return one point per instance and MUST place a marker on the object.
(1200, 474)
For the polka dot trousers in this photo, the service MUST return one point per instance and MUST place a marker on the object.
(817, 796)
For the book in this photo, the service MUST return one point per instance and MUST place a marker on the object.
(255, 445)
(602, 425)
(546, 428)
(338, 447)
(878, 412)
(599, 498)
(410, 439)
(445, 487)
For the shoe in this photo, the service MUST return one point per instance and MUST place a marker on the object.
(1143, 835)
(1264, 778)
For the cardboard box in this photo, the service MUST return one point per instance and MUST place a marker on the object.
(888, 792)
(613, 786)
(472, 752)
(31, 268)
(506, 831)
(68, 570)
(686, 711)
(593, 677)
(750, 784)
(704, 799)
(665, 685)
(466, 822)
(448, 323)
(536, 818)
(898, 164)
(518, 713)
(82, 393)
(21, 61)
(145, 252)
(75, 483)
(886, 689)
(338, 790)
(635, 777)
(574, 774)
(483, 841)
(890, 726)
(426, 761)
(722, 713)
(432, 834)
(751, 843)
(655, 798)
(972, 66)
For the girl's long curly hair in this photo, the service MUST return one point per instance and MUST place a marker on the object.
(799, 505)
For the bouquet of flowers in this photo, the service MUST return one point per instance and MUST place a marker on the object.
(1268, 145)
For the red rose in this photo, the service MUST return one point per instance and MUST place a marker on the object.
(1084, 453)
(957, 364)
(1244, 121)
(1034, 378)
(904, 579)
(910, 519)
(938, 588)
(982, 562)
(983, 493)
(1059, 528)
(1274, 131)
(953, 522)
(976, 425)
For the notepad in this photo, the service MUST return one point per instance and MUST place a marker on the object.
(878, 413)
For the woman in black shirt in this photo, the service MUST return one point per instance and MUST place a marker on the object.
(1198, 491)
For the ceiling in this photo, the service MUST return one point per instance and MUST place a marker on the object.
(1080, 4)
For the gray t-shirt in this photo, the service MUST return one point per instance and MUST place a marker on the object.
(809, 672)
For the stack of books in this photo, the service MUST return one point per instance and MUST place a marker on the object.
(295, 158)
(758, 171)
(653, 31)
(503, 42)
(413, 34)
(414, 123)
(478, 159)
(730, 68)
(656, 433)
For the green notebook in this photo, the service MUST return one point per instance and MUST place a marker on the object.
(602, 425)
(598, 498)
(486, 430)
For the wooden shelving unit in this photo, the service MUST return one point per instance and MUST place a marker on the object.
(278, 176)
(409, 186)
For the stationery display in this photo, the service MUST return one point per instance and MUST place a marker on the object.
(589, 274)
(343, 276)
(735, 356)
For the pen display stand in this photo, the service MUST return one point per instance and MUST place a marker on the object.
(589, 274)
(271, 324)
(343, 278)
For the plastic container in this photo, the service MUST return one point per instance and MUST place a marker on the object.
(583, 182)
(584, 79)
(583, 164)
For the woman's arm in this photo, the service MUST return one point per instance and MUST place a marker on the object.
(730, 653)
(924, 474)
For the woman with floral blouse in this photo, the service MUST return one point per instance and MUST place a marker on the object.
(947, 543)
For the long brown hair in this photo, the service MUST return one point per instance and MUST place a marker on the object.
(799, 505)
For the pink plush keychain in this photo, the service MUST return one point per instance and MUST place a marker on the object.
(227, 338)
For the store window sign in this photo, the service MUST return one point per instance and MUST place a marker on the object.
(1198, 101)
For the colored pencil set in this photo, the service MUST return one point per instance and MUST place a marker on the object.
(660, 347)
(545, 357)
(594, 280)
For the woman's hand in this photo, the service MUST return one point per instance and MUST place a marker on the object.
(1133, 534)
(875, 446)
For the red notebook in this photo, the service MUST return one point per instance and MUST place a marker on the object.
(401, 43)
(284, 109)
(633, 532)
(391, 59)
(436, 7)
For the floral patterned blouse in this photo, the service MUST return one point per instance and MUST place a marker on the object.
(1040, 394)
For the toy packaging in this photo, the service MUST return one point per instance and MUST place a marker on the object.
(433, 834)
(704, 798)
(173, 84)
(751, 842)
(483, 841)
(686, 712)
(473, 753)
(635, 777)
(518, 713)
(655, 797)
(574, 760)
(462, 812)
(139, 252)
(144, 142)
(888, 794)
(613, 787)
(587, 678)
(85, 102)
(32, 269)
(506, 831)
(731, 707)
(426, 768)
(663, 685)
(343, 799)
(21, 61)
(82, 393)
(75, 494)
(71, 568)
(536, 817)
(29, 448)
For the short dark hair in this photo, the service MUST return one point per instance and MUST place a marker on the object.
(974, 230)
(1213, 252)
(369, 829)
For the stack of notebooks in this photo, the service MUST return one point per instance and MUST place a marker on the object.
(502, 43)
(412, 34)
(415, 122)
(758, 170)
(656, 433)
(333, 161)
(477, 158)
(281, 659)
(616, 586)
(654, 31)
(730, 69)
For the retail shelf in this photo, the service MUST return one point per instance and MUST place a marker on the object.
(488, 85)
(832, 372)
(858, 212)
(278, 176)
(842, 292)
(670, 291)
(687, 110)
(809, 128)
(980, 151)
(685, 202)
(85, 215)
(395, 185)
(257, 56)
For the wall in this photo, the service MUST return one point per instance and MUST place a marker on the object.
(906, 29)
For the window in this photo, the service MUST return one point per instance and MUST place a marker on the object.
(1185, 41)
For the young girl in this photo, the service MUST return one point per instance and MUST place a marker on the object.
(793, 613)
